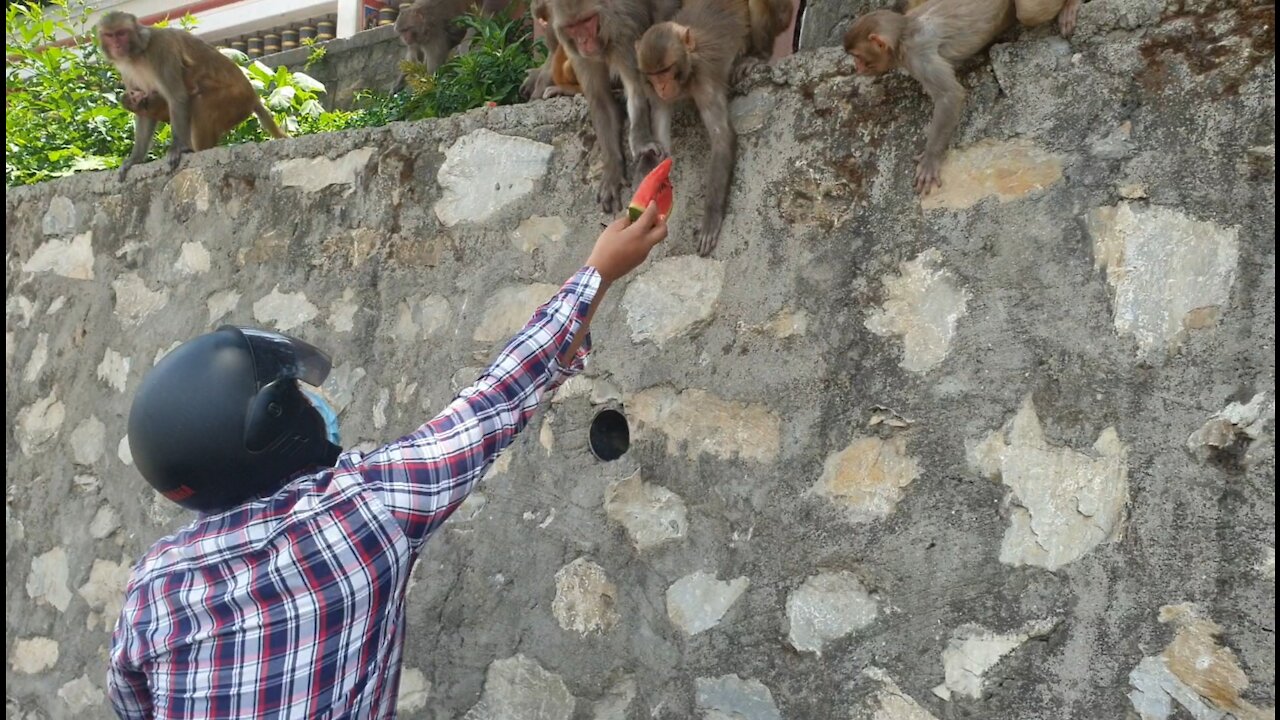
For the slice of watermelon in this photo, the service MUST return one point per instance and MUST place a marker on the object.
(656, 187)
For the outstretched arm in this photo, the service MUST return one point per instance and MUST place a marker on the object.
(424, 476)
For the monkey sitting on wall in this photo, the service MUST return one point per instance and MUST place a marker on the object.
(171, 75)
(694, 56)
(555, 78)
(429, 33)
(928, 40)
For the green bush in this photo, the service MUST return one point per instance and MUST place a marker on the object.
(63, 115)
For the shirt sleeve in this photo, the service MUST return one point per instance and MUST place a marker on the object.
(424, 476)
(127, 684)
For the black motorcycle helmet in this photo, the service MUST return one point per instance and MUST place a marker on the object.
(221, 419)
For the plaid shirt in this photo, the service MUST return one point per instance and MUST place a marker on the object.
(293, 606)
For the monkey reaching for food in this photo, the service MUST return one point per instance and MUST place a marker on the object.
(172, 76)
(928, 40)
(429, 33)
(694, 56)
(599, 36)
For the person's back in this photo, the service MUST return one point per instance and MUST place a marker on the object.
(268, 600)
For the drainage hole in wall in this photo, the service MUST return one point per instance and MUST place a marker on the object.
(610, 436)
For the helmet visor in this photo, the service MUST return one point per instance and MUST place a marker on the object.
(278, 356)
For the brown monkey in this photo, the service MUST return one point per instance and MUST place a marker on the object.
(599, 37)
(929, 40)
(555, 78)
(694, 56)
(173, 74)
(429, 33)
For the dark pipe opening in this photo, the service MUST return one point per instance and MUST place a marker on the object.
(610, 437)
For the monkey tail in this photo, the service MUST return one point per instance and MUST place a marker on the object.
(268, 120)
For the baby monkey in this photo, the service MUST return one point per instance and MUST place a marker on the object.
(927, 42)
(696, 55)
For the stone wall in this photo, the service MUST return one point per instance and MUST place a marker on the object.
(1004, 454)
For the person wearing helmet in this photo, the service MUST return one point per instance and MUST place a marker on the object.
(285, 597)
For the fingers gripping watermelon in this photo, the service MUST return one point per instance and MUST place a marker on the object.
(655, 187)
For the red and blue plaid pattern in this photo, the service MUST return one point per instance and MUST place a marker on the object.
(293, 606)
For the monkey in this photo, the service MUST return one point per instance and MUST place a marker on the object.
(928, 40)
(172, 75)
(429, 33)
(599, 37)
(694, 55)
(555, 77)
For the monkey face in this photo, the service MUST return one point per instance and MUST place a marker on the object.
(118, 41)
(409, 26)
(668, 83)
(583, 35)
(662, 55)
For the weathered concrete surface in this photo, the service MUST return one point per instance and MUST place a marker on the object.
(772, 382)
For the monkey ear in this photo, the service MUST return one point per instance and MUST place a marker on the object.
(686, 36)
(879, 41)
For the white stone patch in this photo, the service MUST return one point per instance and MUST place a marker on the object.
(415, 690)
(538, 232)
(88, 483)
(124, 452)
(312, 174)
(650, 513)
(134, 301)
(193, 259)
(47, 582)
(88, 441)
(730, 697)
(405, 330)
(1063, 503)
(339, 388)
(616, 700)
(890, 702)
(81, 694)
(1246, 421)
(221, 303)
(675, 297)
(60, 218)
(826, 607)
(508, 309)
(546, 436)
(696, 421)
(867, 479)
(34, 655)
(189, 186)
(923, 305)
(35, 363)
(1168, 272)
(435, 314)
(105, 521)
(484, 172)
(1266, 567)
(104, 590)
(342, 312)
(20, 309)
(973, 650)
(469, 509)
(586, 601)
(56, 305)
(380, 409)
(165, 351)
(114, 370)
(697, 602)
(284, 311)
(1194, 671)
(518, 687)
(788, 323)
(39, 422)
(70, 259)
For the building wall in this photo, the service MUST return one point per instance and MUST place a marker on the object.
(1006, 453)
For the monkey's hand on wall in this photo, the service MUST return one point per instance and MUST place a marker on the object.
(743, 68)
(928, 173)
(709, 234)
(611, 192)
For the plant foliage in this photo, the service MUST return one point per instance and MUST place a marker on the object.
(63, 114)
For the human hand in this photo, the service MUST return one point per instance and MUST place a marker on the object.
(624, 245)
